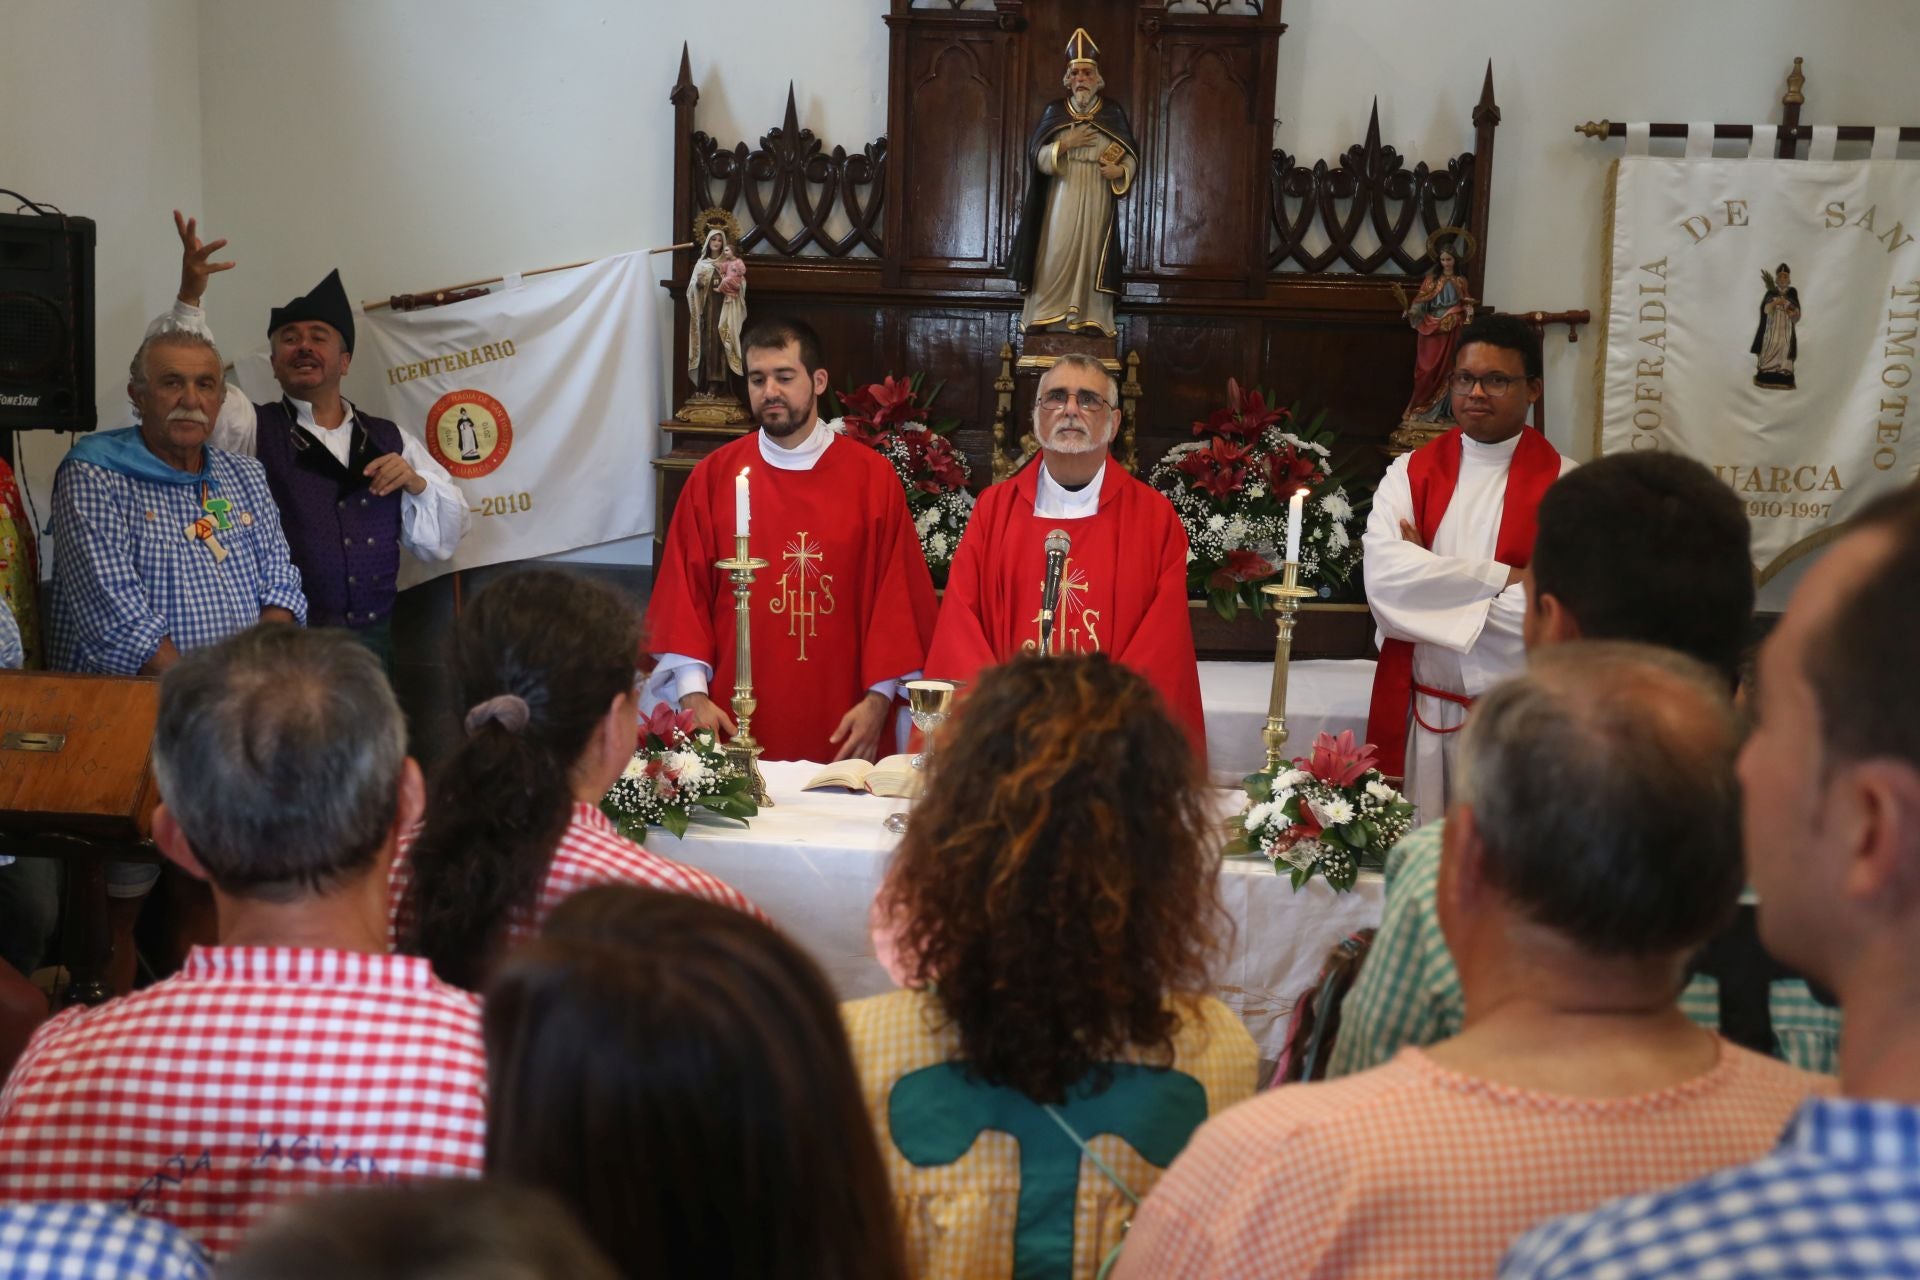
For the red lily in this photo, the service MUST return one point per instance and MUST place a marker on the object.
(664, 723)
(1289, 469)
(1339, 762)
(1219, 470)
(1240, 566)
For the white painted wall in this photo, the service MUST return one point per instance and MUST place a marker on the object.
(415, 143)
(100, 115)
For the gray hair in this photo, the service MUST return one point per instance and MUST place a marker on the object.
(137, 368)
(1602, 785)
(1080, 360)
(279, 752)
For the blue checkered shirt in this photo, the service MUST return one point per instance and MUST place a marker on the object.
(93, 1242)
(1840, 1196)
(126, 576)
(12, 654)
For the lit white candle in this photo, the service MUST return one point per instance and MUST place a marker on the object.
(740, 512)
(1295, 508)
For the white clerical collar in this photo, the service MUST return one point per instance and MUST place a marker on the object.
(1472, 450)
(338, 440)
(1055, 501)
(804, 455)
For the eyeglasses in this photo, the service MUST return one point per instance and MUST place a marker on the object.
(1055, 401)
(1494, 384)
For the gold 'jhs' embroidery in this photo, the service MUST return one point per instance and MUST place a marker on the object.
(806, 592)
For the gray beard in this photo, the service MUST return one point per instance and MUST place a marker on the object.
(1084, 99)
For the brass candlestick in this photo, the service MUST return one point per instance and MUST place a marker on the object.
(742, 749)
(1287, 595)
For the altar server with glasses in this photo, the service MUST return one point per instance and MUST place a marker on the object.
(1448, 539)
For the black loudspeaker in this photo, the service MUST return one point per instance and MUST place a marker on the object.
(46, 323)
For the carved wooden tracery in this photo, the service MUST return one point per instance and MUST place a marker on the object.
(789, 168)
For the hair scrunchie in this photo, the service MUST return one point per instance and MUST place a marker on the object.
(508, 710)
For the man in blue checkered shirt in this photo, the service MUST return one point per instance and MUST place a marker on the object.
(1831, 784)
(161, 544)
(94, 1242)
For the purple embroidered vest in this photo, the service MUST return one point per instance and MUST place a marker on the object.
(344, 541)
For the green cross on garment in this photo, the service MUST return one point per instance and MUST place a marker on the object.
(936, 1114)
(218, 508)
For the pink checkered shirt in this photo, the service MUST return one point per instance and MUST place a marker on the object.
(252, 1074)
(591, 852)
(1414, 1170)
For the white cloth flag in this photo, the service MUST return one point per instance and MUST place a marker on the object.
(539, 399)
(1764, 317)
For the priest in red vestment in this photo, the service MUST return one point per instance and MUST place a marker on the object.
(1124, 587)
(845, 608)
(1449, 536)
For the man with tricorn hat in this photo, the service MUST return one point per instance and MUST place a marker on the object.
(1067, 257)
(352, 488)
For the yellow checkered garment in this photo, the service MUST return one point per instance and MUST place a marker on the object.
(958, 1219)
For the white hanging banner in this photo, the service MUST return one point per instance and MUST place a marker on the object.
(539, 399)
(1764, 318)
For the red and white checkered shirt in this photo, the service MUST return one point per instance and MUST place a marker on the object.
(591, 852)
(1415, 1170)
(252, 1074)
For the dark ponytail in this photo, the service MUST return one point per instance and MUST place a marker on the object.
(565, 647)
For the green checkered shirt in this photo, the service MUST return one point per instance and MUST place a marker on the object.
(1408, 992)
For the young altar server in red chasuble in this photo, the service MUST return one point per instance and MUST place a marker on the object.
(1124, 588)
(845, 608)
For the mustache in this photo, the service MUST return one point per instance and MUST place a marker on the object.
(188, 415)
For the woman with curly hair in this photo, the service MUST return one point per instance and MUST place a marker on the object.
(544, 662)
(1054, 909)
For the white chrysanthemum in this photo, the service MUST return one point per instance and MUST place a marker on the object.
(1236, 530)
(1192, 555)
(1216, 522)
(1332, 813)
(687, 768)
(1292, 778)
(1336, 505)
(1256, 490)
(636, 768)
(1381, 791)
(940, 544)
(1261, 814)
(1337, 537)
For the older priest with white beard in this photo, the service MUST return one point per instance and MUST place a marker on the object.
(1123, 591)
(1447, 542)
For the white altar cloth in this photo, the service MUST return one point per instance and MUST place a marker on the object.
(815, 859)
(1323, 696)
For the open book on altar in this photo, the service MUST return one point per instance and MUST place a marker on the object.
(891, 776)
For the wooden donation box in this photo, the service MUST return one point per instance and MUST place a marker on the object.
(76, 783)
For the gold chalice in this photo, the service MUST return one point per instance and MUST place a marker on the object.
(929, 703)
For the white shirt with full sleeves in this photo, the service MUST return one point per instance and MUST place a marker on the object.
(1451, 601)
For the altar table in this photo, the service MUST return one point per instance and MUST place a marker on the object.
(1323, 696)
(814, 860)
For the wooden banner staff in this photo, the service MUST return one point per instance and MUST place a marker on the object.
(1792, 132)
(455, 292)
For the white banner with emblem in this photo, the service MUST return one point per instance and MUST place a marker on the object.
(538, 398)
(1762, 318)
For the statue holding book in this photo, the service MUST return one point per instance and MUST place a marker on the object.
(1082, 159)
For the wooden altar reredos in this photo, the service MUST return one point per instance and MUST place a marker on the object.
(1241, 260)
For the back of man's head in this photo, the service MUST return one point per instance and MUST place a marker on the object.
(1602, 790)
(1859, 658)
(1648, 547)
(279, 754)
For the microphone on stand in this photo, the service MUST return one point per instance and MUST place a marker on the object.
(1058, 544)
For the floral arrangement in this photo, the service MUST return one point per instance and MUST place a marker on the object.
(1331, 812)
(1231, 490)
(675, 770)
(894, 419)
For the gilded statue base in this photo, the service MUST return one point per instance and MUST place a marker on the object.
(709, 409)
(1415, 433)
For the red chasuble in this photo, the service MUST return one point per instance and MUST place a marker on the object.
(1432, 474)
(845, 602)
(1124, 591)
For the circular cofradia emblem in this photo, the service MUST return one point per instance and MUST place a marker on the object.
(469, 433)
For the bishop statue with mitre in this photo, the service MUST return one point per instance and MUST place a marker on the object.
(1081, 159)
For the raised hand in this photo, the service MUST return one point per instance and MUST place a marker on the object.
(196, 268)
